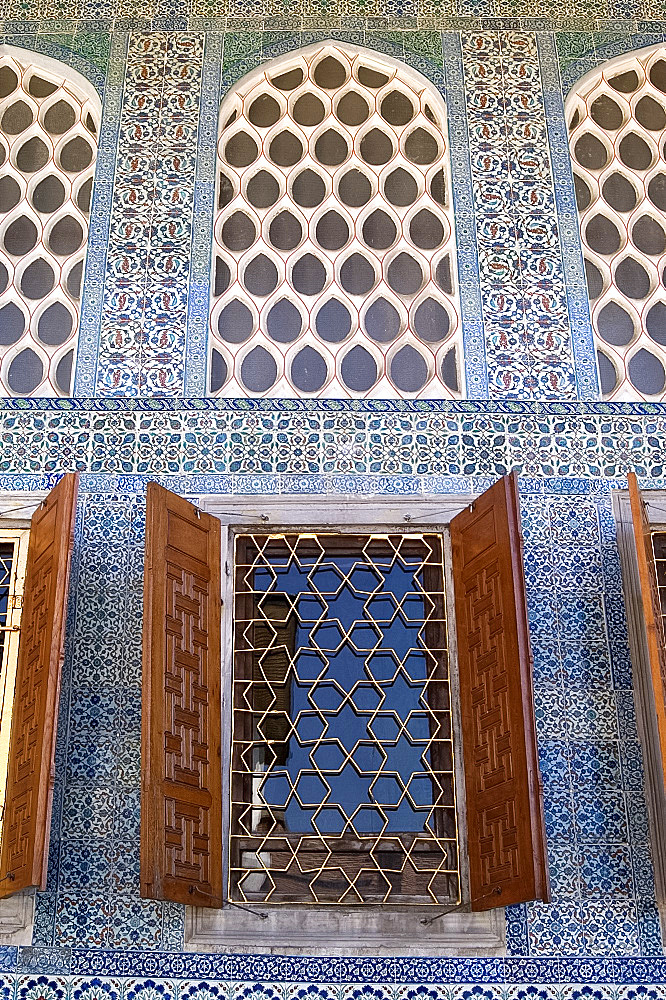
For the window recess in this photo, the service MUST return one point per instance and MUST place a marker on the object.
(333, 628)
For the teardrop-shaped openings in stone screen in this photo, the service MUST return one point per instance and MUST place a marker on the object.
(619, 193)
(582, 192)
(606, 112)
(263, 190)
(379, 230)
(332, 231)
(12, 324)
(16, 118)
(39, 87)
(650, 114)
(608, 377)
(404, 274)
(396, 108)
(48, 195)
(285, 231)
(382, 321)
(408, 370)
(594, 279)
(37, 279)
(285, 149)
(309, 110)
(222, 277)
(218, 371)
(308, 189)
(33, 155)
(626, 250)
(258, 370)
(333, 321)
(76, 155)
(308, 275)
(432, 322)
(225, 191)
(352, 109)
(8, 81)
(376, 148)
(602, 235)
(10, 193)
(25, 372)
(359, 369)
(330, 74)
(55, 324)
(74, 280)
(64, 372)
(401, 188)
(655, 323)
(357, 275)
(261, 276)
(426, 230)
(632, 279)
(449, 370)
(308, 371)
(329, 109)
(648, 236)
(575, 120)
(354, 188)
(239, 232)
(590, 152)
(615, 325)
(84, 196)
(331, 148)
(658, 75)
(59, 118)
(20, 236)
(66, 237)
(264, 111)
(625, 83)
(634, 152)
(657, 191)
(4, 276)
(284, 322)
(235, 322)
(647, 373)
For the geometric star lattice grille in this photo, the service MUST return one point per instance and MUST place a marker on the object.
(342, 785)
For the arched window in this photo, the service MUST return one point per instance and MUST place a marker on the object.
(617, 125)
(49, 120)
(334, 255)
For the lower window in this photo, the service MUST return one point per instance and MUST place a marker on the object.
(342, 762)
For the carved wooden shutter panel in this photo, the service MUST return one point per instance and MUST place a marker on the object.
(506, 835)
(181, 794)
(30, 773)
(651, 608)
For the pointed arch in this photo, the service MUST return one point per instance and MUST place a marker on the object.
(49, 125)
(616, 116)
(334, 266)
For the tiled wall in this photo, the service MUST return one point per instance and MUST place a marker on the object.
(502, 68)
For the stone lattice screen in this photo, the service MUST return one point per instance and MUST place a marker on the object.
(617, 128)
(49, 121)
(334, 255)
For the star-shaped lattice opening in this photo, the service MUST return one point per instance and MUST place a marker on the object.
(343, 781)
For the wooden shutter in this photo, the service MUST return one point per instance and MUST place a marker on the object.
(30, 774)
(651, 609)
(181, 794)
(505, 825)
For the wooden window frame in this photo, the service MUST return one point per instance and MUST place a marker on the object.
(17, 912)
(646, 716)
(307, 929)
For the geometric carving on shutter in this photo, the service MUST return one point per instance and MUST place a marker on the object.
(30, 775)
(181, 793)
(652, 613)
(505, 824)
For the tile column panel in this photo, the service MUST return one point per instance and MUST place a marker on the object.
(144, 316)
(523, 292)
(204, 208)
(100, 217)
